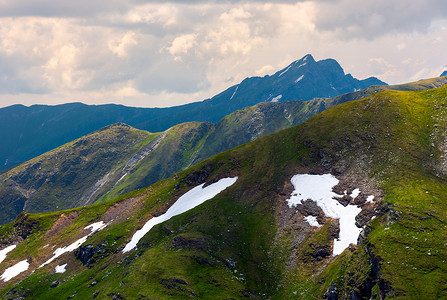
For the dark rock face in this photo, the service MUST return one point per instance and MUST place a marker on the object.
(203, 260)
(116, 296)
(54, 284)
(24, 226)
(345, 200)
(177, 284)
(331, 293)
(182, 242)
(320, 253)
(199, 177)
(231, 264)
(86, 253)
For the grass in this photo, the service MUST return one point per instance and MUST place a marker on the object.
(390, 140)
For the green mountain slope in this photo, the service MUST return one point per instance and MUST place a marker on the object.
(240, 127)
(72, 175)
(27, 132)
(107, 175)
(247, 241)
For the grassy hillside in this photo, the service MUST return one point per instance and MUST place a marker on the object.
(78, 180)
(71, 175)
(247, 242)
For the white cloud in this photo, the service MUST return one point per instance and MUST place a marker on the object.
(166, 53)
(181, 44)
(121, 45)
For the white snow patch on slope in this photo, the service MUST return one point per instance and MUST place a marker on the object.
(15, 270)
(299, 79)
(188, 201)
(312, 221)
(60, 269)
(277, 98)
(70, 248)
(96, 226)
(355, 193)
(5, 251)
(234, 93)
(319, 189)
(286, 70)
(370, 199)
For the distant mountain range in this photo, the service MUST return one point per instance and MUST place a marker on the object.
(444, 73)
(27, 132)
(118, 158)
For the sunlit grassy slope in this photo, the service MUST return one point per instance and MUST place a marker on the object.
(391, 143)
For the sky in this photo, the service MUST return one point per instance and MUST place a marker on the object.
(165, 53)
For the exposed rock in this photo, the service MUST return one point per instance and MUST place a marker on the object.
(192, 243)
(116, 296)
(331, 293)
(93, 283)
(176, 284)
(203, 260)
(54, 284)
(86, 253)
(62, 222)
(198, 177)
(321, 252)
(24, 226)
(167, 231)
(230, 263)
(392, 216)
(310, 207)
(364, 216)
(345, 200)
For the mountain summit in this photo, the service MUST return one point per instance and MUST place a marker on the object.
(303, 79)
(27, 132)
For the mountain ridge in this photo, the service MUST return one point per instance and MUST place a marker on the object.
(27, 132)
(248, 241)
(157, 158)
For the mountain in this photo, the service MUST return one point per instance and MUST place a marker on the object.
(118, 158)
(84, 172)
(444, 73)
(71, 175)
(27, 132)
(262, 228)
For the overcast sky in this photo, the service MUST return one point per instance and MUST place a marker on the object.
(164, 53)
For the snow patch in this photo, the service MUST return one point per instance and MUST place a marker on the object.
(188, 201)
(277, 98)
(70, 248)
(355, 193)
(299, 79)
(234, 93)
(122, 177)
(370, 199)
(15, 270)
(282, 73)
(319, 189)
(96, 226)
(60, 269)
(312, 221)
(5, 252)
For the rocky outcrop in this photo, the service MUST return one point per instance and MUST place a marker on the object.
(90, 254)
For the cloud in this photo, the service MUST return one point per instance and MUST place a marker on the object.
(373, 18)
(161, 53)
